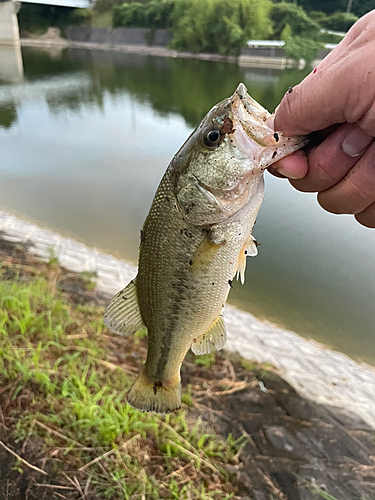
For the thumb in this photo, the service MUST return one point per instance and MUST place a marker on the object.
(339, 90)
(314, 104)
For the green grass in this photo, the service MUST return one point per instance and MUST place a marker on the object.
(206, 360)
(54, 358)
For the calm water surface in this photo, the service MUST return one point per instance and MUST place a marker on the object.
(86, 137)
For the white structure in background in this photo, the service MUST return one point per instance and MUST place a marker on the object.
(81, 4)
(11, 68)
(265, 43)
(271, 54)
(266, 54)
(330, 32)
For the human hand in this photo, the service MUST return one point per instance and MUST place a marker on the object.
(340, 92)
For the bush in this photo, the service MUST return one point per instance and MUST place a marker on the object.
(297, 47)
(287, 14)
(102, 6)
(37, 18)
(339, 21)
(220, 26)
(327, 6)
(360, 8)
(155, 15)
(318, 16)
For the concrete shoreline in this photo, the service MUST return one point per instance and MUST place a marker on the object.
(322, 375)
(135, 49)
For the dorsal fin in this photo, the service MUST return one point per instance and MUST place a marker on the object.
(214, 338)
(122, 315)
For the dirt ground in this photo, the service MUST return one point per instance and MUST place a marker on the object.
(292, 444)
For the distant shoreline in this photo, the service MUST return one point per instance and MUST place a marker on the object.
(257, 61)
(133, 49)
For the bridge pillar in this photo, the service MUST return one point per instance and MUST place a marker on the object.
(11, 67)
(9, 33)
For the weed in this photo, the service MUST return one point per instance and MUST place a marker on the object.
(89, 280)
(206, 360)
(53, 260)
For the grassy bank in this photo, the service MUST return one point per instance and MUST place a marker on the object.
(58, 384)
(67, 432)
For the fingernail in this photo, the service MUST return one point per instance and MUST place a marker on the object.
(356, 142)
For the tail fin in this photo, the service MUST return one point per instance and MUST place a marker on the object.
(146, 394)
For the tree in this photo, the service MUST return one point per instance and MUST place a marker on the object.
(327, 6)
(221, 26)
(288, 14)
(339, 21)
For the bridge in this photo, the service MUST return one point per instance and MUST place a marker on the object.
(80, 4)
(11, 68)
(9, 34)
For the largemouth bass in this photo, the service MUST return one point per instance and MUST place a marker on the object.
(195, 239)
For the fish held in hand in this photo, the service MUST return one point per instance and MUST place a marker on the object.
(195, 239)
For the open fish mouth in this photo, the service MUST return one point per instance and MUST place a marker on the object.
(253, 133)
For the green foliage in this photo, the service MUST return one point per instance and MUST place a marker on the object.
(287, 14)
(297, 47)
(206, 360)
(38, 18)
(101, 20)
(330, 38)
(102, 6)
(359, 7)
(155, 14)
(221, 26)
(327, 6)
(53, 356)
(339, 21)
(89, 280)
(318, 16)
(362, 7)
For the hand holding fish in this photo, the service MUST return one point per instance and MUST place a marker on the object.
(337, 98)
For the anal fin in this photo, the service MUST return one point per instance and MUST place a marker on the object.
(214, 338)
(122, 315)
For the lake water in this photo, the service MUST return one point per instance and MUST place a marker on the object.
(86, 137)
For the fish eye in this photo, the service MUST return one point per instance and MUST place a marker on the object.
(212, 137)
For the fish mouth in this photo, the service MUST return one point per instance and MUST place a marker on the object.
(253, 134)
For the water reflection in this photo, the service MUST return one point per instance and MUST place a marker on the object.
(188, 87)
(88, 135)
(11, 68)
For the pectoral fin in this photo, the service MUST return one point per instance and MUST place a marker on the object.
(204, 254)
(122, 315)
(214, 338)
(249, 248)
